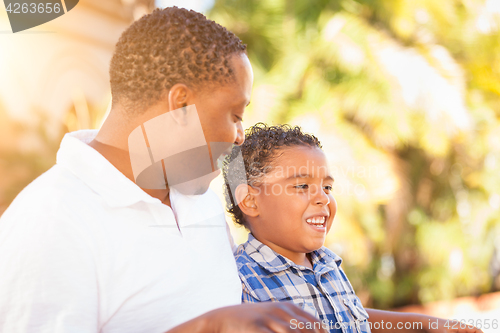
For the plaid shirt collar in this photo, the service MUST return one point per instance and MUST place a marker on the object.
(323, 260)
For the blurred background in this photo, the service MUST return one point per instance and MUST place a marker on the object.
(403, 94)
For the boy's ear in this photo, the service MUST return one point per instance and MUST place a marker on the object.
(245, 198)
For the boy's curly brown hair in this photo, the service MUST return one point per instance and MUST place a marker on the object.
(263, 144)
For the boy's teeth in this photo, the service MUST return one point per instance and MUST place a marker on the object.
(316, 220)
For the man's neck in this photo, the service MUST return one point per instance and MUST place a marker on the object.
(112, 141)
(120, 159)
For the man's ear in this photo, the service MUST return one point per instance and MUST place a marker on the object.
(177, 102)
(245, 199)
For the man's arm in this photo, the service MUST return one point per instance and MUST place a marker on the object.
(264, 317)
(392, 322)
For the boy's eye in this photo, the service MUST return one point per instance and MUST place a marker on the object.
(302, 186)
(328, 188)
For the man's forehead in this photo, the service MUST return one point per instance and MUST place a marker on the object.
(236, 95)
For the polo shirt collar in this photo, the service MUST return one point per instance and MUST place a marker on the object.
(97, 172)
(323, 259)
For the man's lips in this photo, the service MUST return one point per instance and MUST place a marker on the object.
(218, 151)
(221, 158)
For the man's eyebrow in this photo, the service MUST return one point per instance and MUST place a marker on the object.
(239, 103)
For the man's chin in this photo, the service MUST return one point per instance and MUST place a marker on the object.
(197, 186)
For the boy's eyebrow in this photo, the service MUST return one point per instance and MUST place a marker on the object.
(306, 175)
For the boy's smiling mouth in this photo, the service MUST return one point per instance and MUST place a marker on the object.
(318, 221)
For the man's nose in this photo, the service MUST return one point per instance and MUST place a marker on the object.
(240, 135)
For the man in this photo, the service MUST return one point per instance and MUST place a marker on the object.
(100, 243)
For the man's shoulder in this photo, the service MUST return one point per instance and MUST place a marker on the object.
(56, 189)
(44, 217)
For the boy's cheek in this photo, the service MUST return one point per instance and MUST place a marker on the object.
(333, 208)
(332, 204)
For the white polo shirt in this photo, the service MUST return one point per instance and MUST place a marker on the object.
(84, 249)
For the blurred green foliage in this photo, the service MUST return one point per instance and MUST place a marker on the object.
(408, 89)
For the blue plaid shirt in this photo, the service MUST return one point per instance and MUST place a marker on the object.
(324, 291)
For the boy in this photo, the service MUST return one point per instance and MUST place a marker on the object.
(283, 197)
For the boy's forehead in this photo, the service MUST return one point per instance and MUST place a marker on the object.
(301, 156)
(300, 163)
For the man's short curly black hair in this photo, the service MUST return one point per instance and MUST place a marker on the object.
(169, 46)
(263, 144)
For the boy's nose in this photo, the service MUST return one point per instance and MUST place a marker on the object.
(321, 198)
